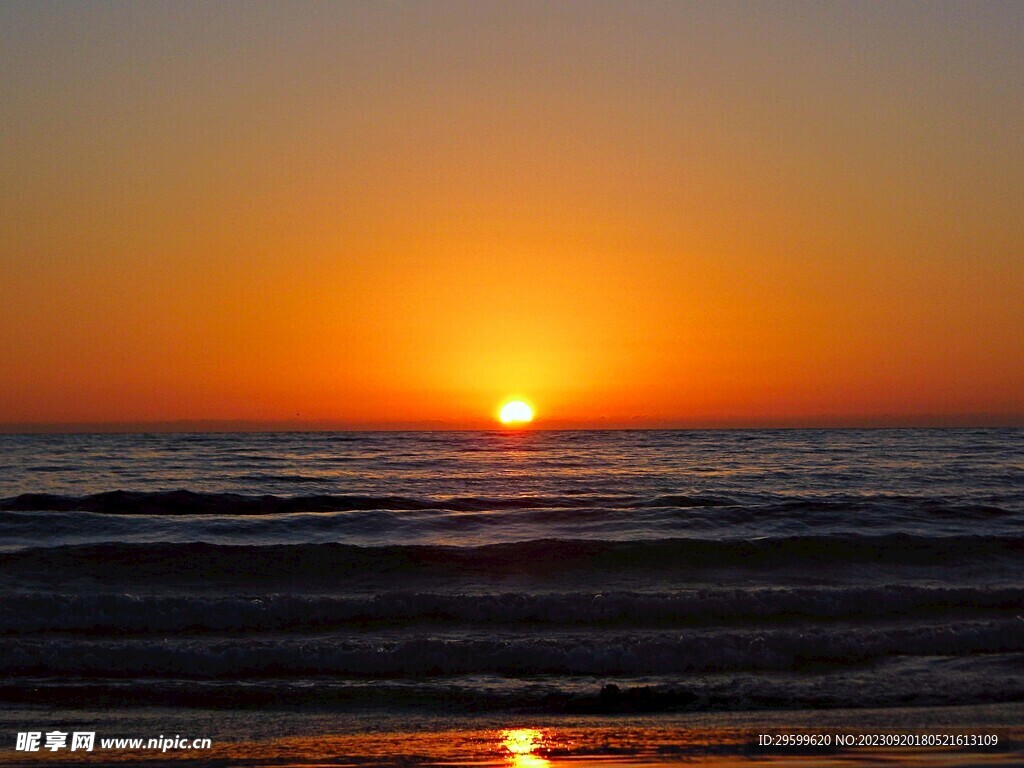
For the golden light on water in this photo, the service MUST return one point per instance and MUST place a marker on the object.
(515, 412)
(522, 745)
(521, 741)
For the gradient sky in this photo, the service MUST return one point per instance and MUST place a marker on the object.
(374, 214)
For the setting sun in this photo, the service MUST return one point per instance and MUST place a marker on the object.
(515, 412)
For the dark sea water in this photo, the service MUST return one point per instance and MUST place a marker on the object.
(514, 571)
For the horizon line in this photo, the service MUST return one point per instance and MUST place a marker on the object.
(171, 426)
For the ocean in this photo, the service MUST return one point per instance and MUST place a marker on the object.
(417, 597)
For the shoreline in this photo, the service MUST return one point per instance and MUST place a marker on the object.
(293, 738)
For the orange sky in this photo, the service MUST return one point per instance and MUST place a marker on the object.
(392, 214)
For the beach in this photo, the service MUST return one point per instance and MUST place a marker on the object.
(300, 738)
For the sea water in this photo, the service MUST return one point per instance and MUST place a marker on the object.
(585, 574)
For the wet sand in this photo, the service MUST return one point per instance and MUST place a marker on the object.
(293, 738)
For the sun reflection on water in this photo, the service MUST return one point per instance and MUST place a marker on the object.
(522, 745)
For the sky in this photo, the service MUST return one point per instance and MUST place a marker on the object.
(392, 214)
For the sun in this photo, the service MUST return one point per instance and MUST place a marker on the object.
(515, 412)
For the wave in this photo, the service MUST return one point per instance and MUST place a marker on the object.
(880, 512)
(125, 614)
(888, 507)
(357, 655)
(981, 683)
(183, 502)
